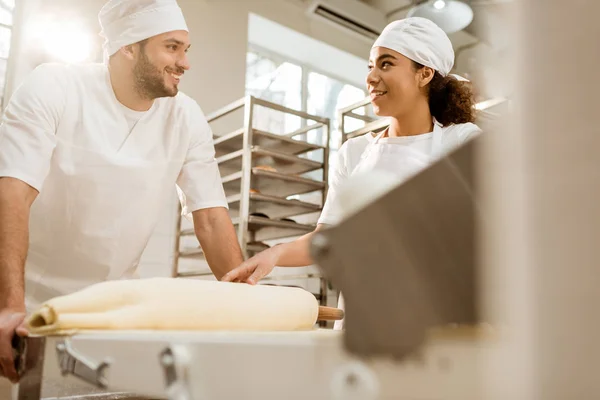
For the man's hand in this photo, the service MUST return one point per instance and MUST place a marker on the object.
(11, 323)
(254, 269)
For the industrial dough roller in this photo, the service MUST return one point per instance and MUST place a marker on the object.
(386, 352)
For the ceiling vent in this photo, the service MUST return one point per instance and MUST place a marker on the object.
(350, 15)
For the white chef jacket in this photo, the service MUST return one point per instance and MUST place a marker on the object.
(102, 185)
(420, 149)
(350, 153)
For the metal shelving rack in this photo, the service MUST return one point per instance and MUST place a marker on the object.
(251, 189)
(376, 124)
(372, 124)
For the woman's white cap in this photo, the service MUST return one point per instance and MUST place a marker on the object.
(420, 40)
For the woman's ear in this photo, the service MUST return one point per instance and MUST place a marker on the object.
(425, 76)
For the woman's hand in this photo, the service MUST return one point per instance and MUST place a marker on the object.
(254, 269)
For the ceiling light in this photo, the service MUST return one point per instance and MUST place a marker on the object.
(450, 15)
(439, 4)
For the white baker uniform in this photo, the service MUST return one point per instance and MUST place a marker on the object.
(404, 156)
(104, 173)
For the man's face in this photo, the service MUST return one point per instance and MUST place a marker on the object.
(159, 64)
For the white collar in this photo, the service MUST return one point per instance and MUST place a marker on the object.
(372, 137)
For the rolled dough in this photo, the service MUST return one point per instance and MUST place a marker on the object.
(177, 304)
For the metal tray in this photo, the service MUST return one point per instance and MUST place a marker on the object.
(283, 163)
(268, 229)
(234, 141)
(196, 253)
(272, 183)
(192, 252)
(375, 126)
(274, 207)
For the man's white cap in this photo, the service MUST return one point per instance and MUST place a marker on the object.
(420, 40)
(125, 22)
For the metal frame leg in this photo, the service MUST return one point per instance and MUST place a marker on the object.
(30, 385)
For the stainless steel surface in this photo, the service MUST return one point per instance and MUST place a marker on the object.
(365, 118)
(299, 365)
(291, 111)
(284, 163)
(175, 360)
(256, 248)
(177, 249)
(228, 109)
(39, 383)
(73, 363)
(102, 396)
(272, 183)
(268, 229)
(325, 175)
(30, 386)
(359, 104)
(305, 129)
(235, 141)
(195, 252)
(409, 253)
(540, 174)
(274, 207)
(374, 126)
(246, 169)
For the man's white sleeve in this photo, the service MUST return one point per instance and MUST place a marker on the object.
(29, 123)
(200, 180)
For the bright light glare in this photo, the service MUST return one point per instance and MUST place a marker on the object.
(439, 4)
(67, 42)
(72, 47)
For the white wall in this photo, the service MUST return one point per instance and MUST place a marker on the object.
(219, 35)
(295, 46)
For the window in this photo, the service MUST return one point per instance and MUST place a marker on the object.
(277, 81)
(6, 22)
(291, 84)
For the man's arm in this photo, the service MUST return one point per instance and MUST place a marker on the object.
(16, 198)
(217, 236)
(27, 142)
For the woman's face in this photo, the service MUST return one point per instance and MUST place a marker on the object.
(393, 83)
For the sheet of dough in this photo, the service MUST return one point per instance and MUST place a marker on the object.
(177, 304)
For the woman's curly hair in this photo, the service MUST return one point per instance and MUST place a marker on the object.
(450, 101)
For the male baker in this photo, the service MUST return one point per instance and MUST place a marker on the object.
(89, 155)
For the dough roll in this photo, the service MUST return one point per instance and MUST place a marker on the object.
(177, 304)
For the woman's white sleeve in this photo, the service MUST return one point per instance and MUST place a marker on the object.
(331, 213)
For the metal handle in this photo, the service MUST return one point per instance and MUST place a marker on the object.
(18, 353)
(73, 363)
(175, 361)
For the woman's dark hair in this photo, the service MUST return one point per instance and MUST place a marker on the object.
(450, 101)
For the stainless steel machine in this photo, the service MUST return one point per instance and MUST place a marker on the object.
(409, 278)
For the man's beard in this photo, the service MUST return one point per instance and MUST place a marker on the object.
(150, 81)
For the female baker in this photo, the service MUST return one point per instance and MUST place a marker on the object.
(431, 113)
